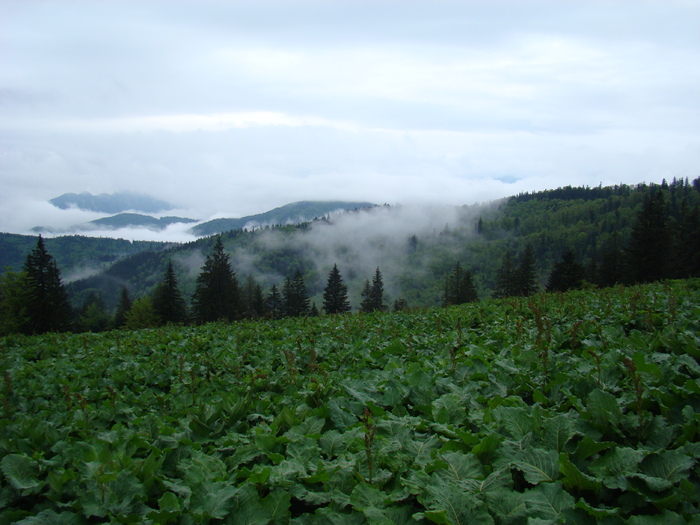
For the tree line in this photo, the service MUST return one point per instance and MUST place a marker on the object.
(664, 242)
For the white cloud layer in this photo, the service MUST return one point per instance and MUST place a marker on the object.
(233, 108)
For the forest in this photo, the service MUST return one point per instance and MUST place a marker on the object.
(553, 240)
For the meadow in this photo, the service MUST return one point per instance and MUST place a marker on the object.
(575, 408)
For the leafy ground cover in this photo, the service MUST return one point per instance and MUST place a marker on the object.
(575, 408)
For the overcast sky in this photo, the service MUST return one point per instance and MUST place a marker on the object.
(230, 108)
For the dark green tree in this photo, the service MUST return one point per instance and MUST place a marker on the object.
(274, 303)
(686, 246)
(123, 306)
(373, 294)
(526, 275)
(93, 316)
(45, 302)
(295, 297)
(142, 314)
(11, 302)
(216, 297)
(335, 295)
(252, 299)
(506, 278)
(459, 287)
(168, 300)
(647, 256)
(610, 269)
(567, 274)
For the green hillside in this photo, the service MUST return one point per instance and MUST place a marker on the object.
(578, 408)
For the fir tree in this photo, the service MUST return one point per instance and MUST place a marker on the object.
(459, 287)
(526, 275)
(123, 306)
(168, 301)
(216, 296)
(275, 303)
(610, 269)
(335, 295)
(647, 254)
(45, 301)
(567, 274)
(295, 297)
(253, 300)
(506, 278)
(373, 294)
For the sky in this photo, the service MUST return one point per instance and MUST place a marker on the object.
(231, 108)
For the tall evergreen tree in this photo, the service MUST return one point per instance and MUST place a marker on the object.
(11, 302)
(610, 269)
(45, 302)
(168, 301)
(686, 246)
(275, 303)
(373, 294)
(648, 252)
(295, 297)
(216, 296)
(252, 299)
(123, 306)
(526, 276)
(459, 287)
(506, 278)
(335, 295)
(567, 274)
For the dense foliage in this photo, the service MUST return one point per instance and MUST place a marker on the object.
(574, 408)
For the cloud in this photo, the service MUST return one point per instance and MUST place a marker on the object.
(233, 108)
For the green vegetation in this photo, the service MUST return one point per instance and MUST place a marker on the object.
(577, 408)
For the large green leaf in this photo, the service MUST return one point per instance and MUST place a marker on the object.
(557, 431)
(604, 409)
(447, 503)
(616, 466)
(517, 421)
(538, 465)
(662, 470)
(22, 472)
(549, 501)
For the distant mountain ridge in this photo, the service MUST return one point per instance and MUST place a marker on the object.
(111, 203)
(294, 213)
(129, 220)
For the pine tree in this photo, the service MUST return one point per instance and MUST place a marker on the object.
(45, 301)
(647, 254)
(567, 274)
(168, 302)
(295, 297)
(216, 296)
(506, 278)
(275, 303)
(526, 275)
(373, 294)
(142, 314)
(459, 287)
(11, 302)
(252, 299)
(335, 295)
(123, 306)
(610, 269)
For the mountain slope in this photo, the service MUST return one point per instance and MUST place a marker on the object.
(127, 220)
(111, 203)
(294, 213)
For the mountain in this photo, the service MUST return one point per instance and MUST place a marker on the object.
(130, 220)
(111, 203)
(294, 213)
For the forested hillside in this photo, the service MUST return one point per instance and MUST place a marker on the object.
(410, 256)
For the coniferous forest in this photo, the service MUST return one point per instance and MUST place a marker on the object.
(553, 241)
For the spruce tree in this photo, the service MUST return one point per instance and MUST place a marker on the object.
(45, 300)
(526, 275)
(567, 274)
(335, 295)
(123, 306)
(506, 278)
(459, 287)
(274, 303)
(168, 301)
(216, 297)
(648, 252)
(295, 297)
(252, 299)
(373, 294)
